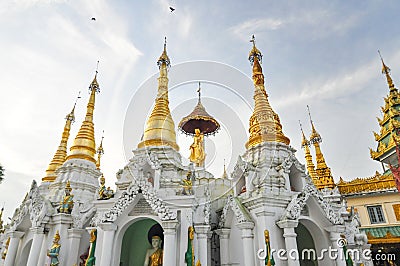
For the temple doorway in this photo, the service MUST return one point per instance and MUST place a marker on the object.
(137, 240)
(306, 246)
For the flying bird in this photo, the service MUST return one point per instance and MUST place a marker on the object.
(93, 18)
(172, 9)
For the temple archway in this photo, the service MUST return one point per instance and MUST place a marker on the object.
(305, 243)
(135, 242)
(23, 257)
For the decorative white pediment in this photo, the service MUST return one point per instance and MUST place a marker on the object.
(127, 197)
(238, 209)
(297, 204)
(34, 204)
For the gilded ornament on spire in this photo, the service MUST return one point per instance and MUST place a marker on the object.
(160, 128)
(390, 123)
(305, 144)
(84, 146)
(323, 172)
(265, 125)
(61, 153)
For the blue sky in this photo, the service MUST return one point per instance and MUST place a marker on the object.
(320, 53)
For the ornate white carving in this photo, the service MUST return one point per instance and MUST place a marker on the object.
(294, 208)
(81, 213)
(127, 197)
(238, 209)
(36, 205)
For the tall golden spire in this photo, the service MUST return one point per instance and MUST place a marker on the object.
(323, 171)
(307, 154)
(265, 125)
(100, 152)
(386, 71)
(389, 123)
(61, 153)
(84, 146)
(160, 128)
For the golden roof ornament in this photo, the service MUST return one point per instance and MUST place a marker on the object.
(61, 153)
(305, 144)
(265, 125)
(323, 172)
(160, 127)
(84, 146)
(386, 72)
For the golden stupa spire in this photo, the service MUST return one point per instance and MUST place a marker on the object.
(84, 146)
(160, 128)
(100, 152)
(61, 153)
(386, 71)
(323, 171)
(305, 144)
(265, 125)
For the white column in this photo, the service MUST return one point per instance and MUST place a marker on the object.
(247, 240)
(202, 236)
(224, 245)
(170, 243)
(334, 235)
(290, 240)
(34, 253)
(74, 239)
(107, 245)
(209, 237)
(13, 247)
(61, 222)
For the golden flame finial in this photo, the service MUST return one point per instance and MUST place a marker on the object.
(323, 172)
(100, 152)
(61, 153)
(84, 146)
(160, 128)
(386, 71)
(265, 125)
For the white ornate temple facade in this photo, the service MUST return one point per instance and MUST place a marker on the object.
(269, 189)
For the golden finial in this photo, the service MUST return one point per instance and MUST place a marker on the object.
(84, 146)
(323, 172)
(199, 91)
(100, 151)
(315, 136)
(61, 153)
(160, 128)
(265, 125)
(386, 71)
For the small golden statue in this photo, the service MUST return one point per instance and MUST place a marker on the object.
(154, 255)
(3, 256)
(269, 259)
(104, 193)
(67, 203)
(187, 184)
(197, 154)
(53, 252)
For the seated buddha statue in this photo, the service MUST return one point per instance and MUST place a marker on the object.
(154, 255)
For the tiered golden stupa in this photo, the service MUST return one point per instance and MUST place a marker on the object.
(265, 125)
(84, 146)
(160, 128)
(389, 124)
(61, 153)
(323, 172)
